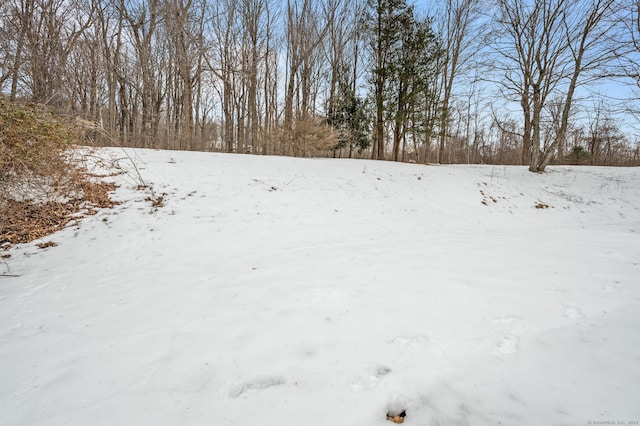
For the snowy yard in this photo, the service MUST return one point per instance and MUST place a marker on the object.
(317, 292)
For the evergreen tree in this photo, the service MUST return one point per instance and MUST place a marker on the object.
(381, 24)
(347, 114)
(415, 67)
(406, 57)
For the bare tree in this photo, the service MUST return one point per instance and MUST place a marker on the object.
(306, 28)
(49, 31)
(222, 61)
(17, 17)
(459, 30)
(628, 50)
(253, 12)
(342, 41)
(184, 23)
(547, 46)
(270, 84)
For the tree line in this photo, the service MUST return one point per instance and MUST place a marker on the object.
(457, 81)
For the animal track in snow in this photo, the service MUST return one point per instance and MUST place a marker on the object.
(410, 341)
(574, 314)
(558, 291)
(507, 344)
(378, 373)
(250, 387)
(611, 288)
(374, 377)
(504, 320)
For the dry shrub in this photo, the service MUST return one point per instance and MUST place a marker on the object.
(32, 146)
(42, 186)
(310, 137)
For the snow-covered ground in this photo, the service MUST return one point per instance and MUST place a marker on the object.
(282, 291)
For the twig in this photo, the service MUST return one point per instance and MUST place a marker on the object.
(92, 125)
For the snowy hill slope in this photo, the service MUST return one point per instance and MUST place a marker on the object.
(281, 291)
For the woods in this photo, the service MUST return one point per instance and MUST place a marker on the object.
(453, 81)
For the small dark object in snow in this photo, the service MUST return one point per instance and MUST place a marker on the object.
(397, 418)
(542, 206)
(156, 201)
(45, 245)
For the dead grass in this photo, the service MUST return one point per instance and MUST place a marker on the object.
(25, 221)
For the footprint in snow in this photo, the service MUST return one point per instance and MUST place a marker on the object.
(250, 387)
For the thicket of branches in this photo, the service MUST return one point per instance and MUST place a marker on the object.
(42, 183)
(505, 81)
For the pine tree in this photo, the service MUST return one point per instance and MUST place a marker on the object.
(346, 113)
(406, 56)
